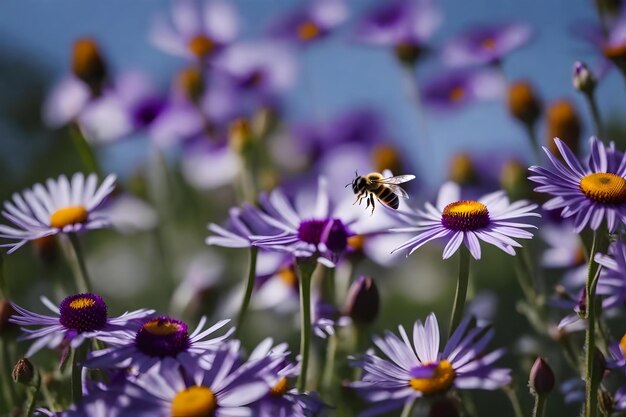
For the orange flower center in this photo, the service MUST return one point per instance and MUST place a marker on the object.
(280, 388)
(68, 215)
(442, 379)
(201, 46)
(604, 187)
(307, 31)
(194, 401)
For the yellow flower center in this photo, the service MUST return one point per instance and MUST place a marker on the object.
(280, 388)
(194, 401)
(288, 277)
(465, 215)
(161, 327)
(622, 345)
(462, 169)
(82, 302)
(356, 242)
(488, 43)
(457, 93)
(442, 378)
(386, 157)
(201, 46)
(68, 215)
(604, 187)
(614, 52)
(307, 31)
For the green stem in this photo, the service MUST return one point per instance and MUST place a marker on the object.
(78, 357)
(81, 275)
(591, 382)
(461, 289)
(540, 402)
(305, 269)
(84, 150)
(407, 411)
(595, 113)
(531, 131)
(245, 303)
(4, 291)
(329, 366)
(5, 373)
(32, 395)
(511, 392)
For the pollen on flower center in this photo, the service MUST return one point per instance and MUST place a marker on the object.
(68, 215)
(615, 52)
(457, 93)
(201, 46)
(83, 312)
(441, 378)
(465, 215)
(308, 31)
(488, 43)
(163, 336)
(604, 187)
(195, 401)
(622, 345)
(288, 277)
(280, 388)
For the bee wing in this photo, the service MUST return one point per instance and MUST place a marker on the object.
(397, 190)
(396, 180)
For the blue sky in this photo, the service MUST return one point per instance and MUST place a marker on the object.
(342, 74)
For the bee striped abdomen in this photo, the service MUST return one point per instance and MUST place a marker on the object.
(387, 196)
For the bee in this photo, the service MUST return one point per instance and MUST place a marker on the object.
(385, 189)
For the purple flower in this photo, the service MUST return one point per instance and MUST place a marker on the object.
(410, 370)
(161, 342)
(79, 317)
(492, 219)
(588, 193)
(60, 207)
(405, 25)
(612, 280)
(486, 44)
(312, 229)
(243, 222)
(310, 22)
(455, 89)
(196, 32)
(226, 388)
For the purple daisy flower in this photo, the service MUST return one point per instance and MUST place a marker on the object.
(161, 342)
(78, 318)
(280, 400)
(196, 32)
(312, 229)
(243, 222)
(310, 22)
(60, 207)
(491, 219)
(612, 280)
(227, 389)
(402, 24)
(486, 44)
(588, 193)
(418, 369)
(455, 89)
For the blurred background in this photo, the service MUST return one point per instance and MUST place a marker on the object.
(338, 89)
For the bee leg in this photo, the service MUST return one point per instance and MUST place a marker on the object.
(359, 198)
(372, 200)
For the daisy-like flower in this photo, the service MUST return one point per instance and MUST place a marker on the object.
(194, 32)
(418, 369)
(59, 207)
(78, 318)
(492, 219)
(588, 193)
(486, 44)
(310, 230)
(243, 222)
(226, 389)
(310, 22)
(612, 280)
(161, 342)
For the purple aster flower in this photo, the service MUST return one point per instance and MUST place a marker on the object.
(455, 89)
(78, 318)
(404, 25)
(588, 193)
(226, 389)
(196, 32)
(492, 219)
(417, 369)
(611, 43)
(60, 207)
(486, 44)
(312, 229)
(617, 352)
(612, 280)
(243, 222)
(161, 342)
(310, 22)
(280, 400)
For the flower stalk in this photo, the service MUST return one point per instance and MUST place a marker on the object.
(461, 289)
(245, 303)
(77, 262)
(306, 267)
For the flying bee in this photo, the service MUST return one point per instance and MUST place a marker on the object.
(386, 190)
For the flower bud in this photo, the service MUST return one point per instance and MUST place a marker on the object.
(23, 372)
(461, 169)
(363, 301)
(563, 123)
(606, 402)
(191, 82)
(386, 156)
(88, 64)
(541, 380)
(583, 79)
(445, 407)
(524, 104)
(408, 53)
(240, 135)
(513, 179)
(6, 311)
